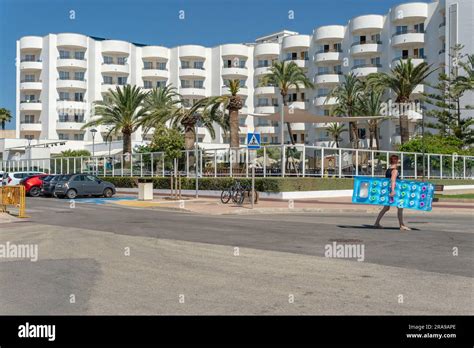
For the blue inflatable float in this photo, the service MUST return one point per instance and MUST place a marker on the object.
(408, 194)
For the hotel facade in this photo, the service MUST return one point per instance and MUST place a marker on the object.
(59, 76)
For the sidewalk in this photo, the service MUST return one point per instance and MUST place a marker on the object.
(214, 206)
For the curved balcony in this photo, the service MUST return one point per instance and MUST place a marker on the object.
(242, 91)
(71, 104)
(72, 63)
(328, 57)
(236, 72)
(302, 63)
(105, 87)
(71, 40)
(366, 69)
(367, 24)
(296, 42)
(155, 52)
(30, 65)
(31, 106)
(298, 127)
(71, 84)
(299, 105)
(155, 73)
(266, 109)
(192, 51)
(31, 86)
(31, 127)
(408, 39)
(328, 78)
(410, 13)
(359, 49)
(69, 125)
(267, 49)
(234, 50)
(198, 92)
(265, 90)
(266, 129)
(442, 31)
(416, 60)
(261, 70)
(115, 68)
(329, 33)
(115, 46)
(191, 72)
(31, 42)
(321, 101)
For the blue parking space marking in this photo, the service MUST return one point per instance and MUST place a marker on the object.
(103, 200)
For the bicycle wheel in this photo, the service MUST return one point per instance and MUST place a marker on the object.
(225, 196)
(239, 196)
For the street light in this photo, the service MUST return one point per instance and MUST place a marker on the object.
(93, 131)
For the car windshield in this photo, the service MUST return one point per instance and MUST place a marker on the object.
(65, 177)
(48, 178)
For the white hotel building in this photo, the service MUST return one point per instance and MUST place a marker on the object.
(60, 75)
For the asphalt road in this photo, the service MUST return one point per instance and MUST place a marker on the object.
(119, 260)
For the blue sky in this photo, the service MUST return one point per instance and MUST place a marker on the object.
(207, 22)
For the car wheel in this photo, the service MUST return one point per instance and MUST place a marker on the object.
(71, 194)
(35, 191)
(108, 193)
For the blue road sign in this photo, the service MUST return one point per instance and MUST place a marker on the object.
(253, 141)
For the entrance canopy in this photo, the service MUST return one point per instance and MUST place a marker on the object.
(294, 115)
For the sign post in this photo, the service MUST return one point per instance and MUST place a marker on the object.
(253, 144)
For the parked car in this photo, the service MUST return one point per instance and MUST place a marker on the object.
(33, 184)
(74, 185)
(49, 183)
(2, 176)
(14, 178)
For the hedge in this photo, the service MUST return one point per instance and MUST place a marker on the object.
(275, 184)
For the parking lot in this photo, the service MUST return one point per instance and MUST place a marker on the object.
(116, 259)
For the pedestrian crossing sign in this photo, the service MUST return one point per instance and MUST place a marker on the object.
(253, 141)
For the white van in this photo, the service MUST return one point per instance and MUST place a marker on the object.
(14, 178)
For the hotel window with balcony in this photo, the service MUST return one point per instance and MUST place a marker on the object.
(29, 78)
(161, 65)
(323, 92)
(263, 102)
(148, 65)
(63, 136)
(29, 58)
(108, 60)
(122, 80)
(79, 75)
(199, 65)
(147, 84)
(198, 84)
(64, 75)
(79, 96)
(234, 63)
(359, 63)
(419, 28)
(185, 64)
(401, 29)
(121, 60)
(108, 80)
(185, 84)
(63, 95)
(29, 137)
(79, 55)
(186, 103)
(64, 54)
(78, 136)
(242, 121)
(160, 84)
(375, 62)
(29, 119)
(419, 53)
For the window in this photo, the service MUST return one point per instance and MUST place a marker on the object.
(79, 96)
(108, 60)
(420, 28)
(262, 63)
(122, 80)
(79, 136)
(63, 95)
(148, 65)
(185, 64)
(29, 119)
(198, 84)
(185, 84)
(199, 65)
(337, 47)
(242, 64)
(295, 138)
(79, 75)
(292, 97)
(275, 101)
(375, 61)
(79, 55)
(242, 121)
(64, 54)
(402, 29)
(359, 62)
(186, 103)
(397, 130)
(108, 80)
(29, 78)
(375, 38)
(160, 84)
(304, 55)
(147, 84)
(326, 112)
(122, 60)
(29, 58)
(63, 136)
(362, 133)
(262, 102)
(64, 75)
(161, 65)
(29, 136)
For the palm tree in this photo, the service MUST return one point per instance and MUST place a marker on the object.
(466, 82)
(160, 104)
(335, 130)
(198, 114)
(233, 103)
(402, 80)
(286, 75)
(371, 105)
(5, 116)
(347, 97)
(123, 111)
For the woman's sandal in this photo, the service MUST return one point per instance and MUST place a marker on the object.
(405, 228)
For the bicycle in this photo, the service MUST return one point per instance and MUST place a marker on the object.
(235, 192)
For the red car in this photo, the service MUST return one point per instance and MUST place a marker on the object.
(33, 184)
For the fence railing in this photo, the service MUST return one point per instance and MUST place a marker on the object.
(298, 160)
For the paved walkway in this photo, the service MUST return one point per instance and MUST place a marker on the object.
(215, 207)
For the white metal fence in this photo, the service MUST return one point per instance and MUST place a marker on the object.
(298, 160)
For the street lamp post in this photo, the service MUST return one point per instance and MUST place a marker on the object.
(196, 158)
(93, 131)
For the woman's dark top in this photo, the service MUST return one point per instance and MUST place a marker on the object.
(388, 173)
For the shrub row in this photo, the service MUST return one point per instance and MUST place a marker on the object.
(262, 184)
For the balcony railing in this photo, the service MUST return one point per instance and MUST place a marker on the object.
(71, 119)
(73, 58)
(31, 81)
(199, 68)
(155, 68)
(338, 50)
(231, 66)
(30, 101)
(378, 42)
(71, 79)
(298, 58)
(201, 87)
(409, 57)
(30, 60)
(319, 73)
(367, 65)
(114, 63)
(72, 100)
(29, 122)
(412, 31)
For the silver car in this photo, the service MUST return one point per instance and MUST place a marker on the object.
(74, 185)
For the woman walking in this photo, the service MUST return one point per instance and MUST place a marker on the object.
(393, 174)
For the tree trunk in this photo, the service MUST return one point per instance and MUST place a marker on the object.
(127, 148)
(377, 142)
(189, 137)
(290, 133)
(3, 125)
(404, 130)
(234, 128)
(371, 138)
(337, 142)
(355, 136)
